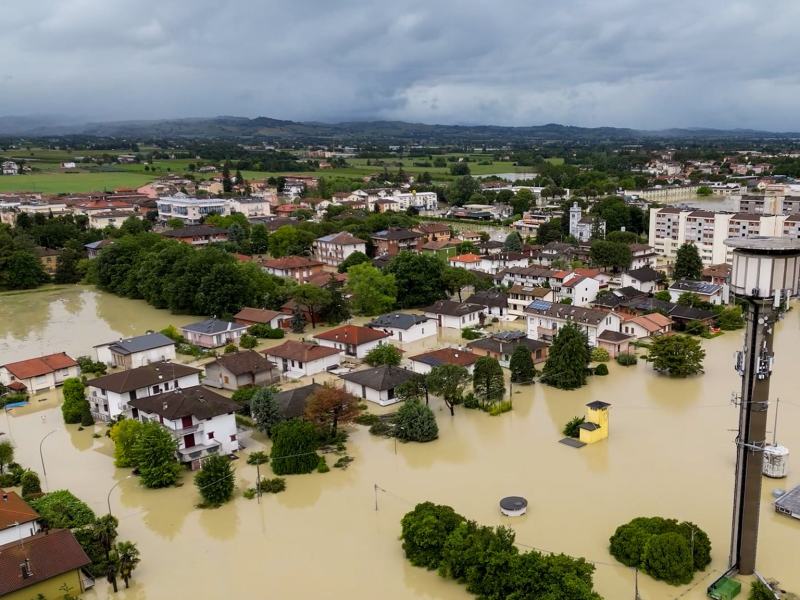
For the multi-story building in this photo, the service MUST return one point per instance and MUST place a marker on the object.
(393, 241)
(190, 210)
(582, 228)
(250, 207)
(333, 249)
(299, 268)
(546, 318)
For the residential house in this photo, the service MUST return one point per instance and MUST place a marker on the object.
(645, 279)
(261, 316)
(353, 340)
(491, 247)
(495, 302)
(446, 247)
(110, 218)
(43, 566)
(454, 315)
(377, 384)
(614, 342)
(435, 232)
(202, 422)
(334, 249)
(425, 362)
(579, 290)
(494, 263)
(9, 167)
(708, 292)
(93, 248)
(136, 351)
(250, 207)
(41, 373)
(292, 402)
(392, 241)
(198, 235)
(501, 346)
(298, 268)
(533, 276)
(645, 326)
(213, 333)
(404, 327)
(546, 318)
(297, 359)
(613, 299)
(324, 278)
(110, 394)
(17, 519)
(718, 274)
(642, 255)
(520, 296)
(192, 211)
(234, 370)
(470, 262)
(48, 258)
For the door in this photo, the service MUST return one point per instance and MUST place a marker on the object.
(188, 441)
(285, 365)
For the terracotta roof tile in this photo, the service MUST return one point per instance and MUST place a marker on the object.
(300, 351)
(42, 365)
(352, 334)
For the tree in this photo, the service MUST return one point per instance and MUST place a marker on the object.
(663, 296)
(759, 591)
(6, 455)
(415, 422)
(667, 556)
(248, 342)
(461, 190)
(312, 300)
(448, 382)
(331, 406)
(459, 168)
(294, 445)
(355, 258)
(259, 239)
(487, 381)
(383, 354)
(371, 291)
(128, 558)
(521, 365)
(513, 242)
(687, 263)
(731, 318)
(676, 355)
(227, 184)
(31, 485)
(568, 359)
(614, 255)
(704, 190)
(290, 241)
(337, 309)
(456, 279)
(522, 201)
(215, 481)
(67, 266)
(264, 409)
(414, 388)
(75, 405)
(573, 427)
(154, 456)
(62, 510)
(420, 277)
(24, 271)
(425, 531)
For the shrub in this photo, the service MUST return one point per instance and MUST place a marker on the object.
(89, 366)
(343, 462)
(248, 342)
(415, 422)
(75, 404)
(154, 456)
(367, 419)
(696, 328)
(215, 481)
(294, 445)
(383, 354)
(243, 395)
(667, 556)
(470, 401)
(275, 334)
(273, 486)
(759, 591)
(6, 454)
(322, 467)
(500, 408)
(265, 410)
(230, 348)
(174, 334)
(62, 510)
(31, 486)
(600, 355)
(468, 333)
(573, 427)
(257, 458)
(425, 531)
(249, 493)
(601, 369)
(381, 428)
(626, 359)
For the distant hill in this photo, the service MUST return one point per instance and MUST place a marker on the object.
(264, 128)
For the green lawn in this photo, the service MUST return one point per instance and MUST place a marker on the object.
(56, 183)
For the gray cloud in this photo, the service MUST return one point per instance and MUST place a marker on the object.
(629, 63)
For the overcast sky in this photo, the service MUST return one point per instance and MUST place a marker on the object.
(645, 64)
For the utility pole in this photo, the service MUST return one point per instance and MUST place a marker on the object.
(765, 274)
(636, 595)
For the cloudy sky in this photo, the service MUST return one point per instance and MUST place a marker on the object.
(645, 64)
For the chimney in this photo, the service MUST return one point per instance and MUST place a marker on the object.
(164, 406)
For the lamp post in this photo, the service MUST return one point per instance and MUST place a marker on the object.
(113, 487)
(41, 454)
(765, 274)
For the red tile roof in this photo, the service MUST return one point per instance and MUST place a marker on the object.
(34, 367)
(291, 262)
(352, 334)
(322, 279)
(466, 258)
(300, 351)
(14, 510)
(256, 315)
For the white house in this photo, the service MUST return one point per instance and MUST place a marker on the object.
(495, 302)
(494, 263)
(425, 362)
(202, 422)
(470, 262)
(213, 333)
(645, 279)
(297, 359)
(353, 340)
(642, 255)
(17, 519)
(377, 384)
(404, 327)
(234, 370)
(109, 395)
(454, 315)
(546, 318)
(9, 167)
(334, 249)
(645, 326)
(579, 289)
(708, 292)
(40, 373)
(520, 296)
(136, 351)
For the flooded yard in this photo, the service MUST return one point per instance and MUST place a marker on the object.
(670, 453)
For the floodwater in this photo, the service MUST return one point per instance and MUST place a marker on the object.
(670, 453)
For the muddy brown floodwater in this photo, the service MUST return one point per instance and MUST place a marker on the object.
(670, 453)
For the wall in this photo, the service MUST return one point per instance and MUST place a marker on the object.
(17, 532)
(52, 588)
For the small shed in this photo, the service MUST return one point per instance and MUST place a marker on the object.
(724, 588)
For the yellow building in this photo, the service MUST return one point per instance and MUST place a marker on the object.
(595, 426)
(48, 563)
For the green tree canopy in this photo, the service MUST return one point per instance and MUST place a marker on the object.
(383, 354)
(75, 407)
(687, 263)
(513, 242)
(487, 381)
(521, 365)
(294, 445)
(448, 382)
(371, 291)
(355, 258)
(124, 433)
(63, 510)
(420, 277)
(615, 255)
(568, 359)
(676, 355)
(415, 422)
(425, 531)
(215, 481)
(154, 456)
(265, 410)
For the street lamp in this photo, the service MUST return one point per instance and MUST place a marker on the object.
(765, 275)
(41, 455)
(108, 498)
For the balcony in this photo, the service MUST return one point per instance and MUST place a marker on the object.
(185, 430)
(198, 451)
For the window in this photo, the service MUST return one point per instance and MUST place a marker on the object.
(211, 435)
(233, 437)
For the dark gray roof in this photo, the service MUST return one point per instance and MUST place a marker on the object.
(381, 378)
(244, 361)
(613, 336)
(489, 298)
(696, 287)
(452, 309)
(567, 312)
(790, 501)
(194, 230)
(134, 379)
(397, 321)
(195, 401)
(645, 274)
(212, 326)
(499, 345)
(292, 403)
(397, 234)
(690, 313)
(598, 404)
(139, 343)
(589, 426)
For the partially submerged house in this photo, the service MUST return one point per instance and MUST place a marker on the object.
(136, 351)
(495, 302)
(404, 327)
(261, 316)
(233, 370)
(213, 333)
(297, 359)
(17, 519)
(292, 402)
(501, 346)
(353, 340)
(425, 362)
(454, 315)
(40, 373)
(377, 384)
